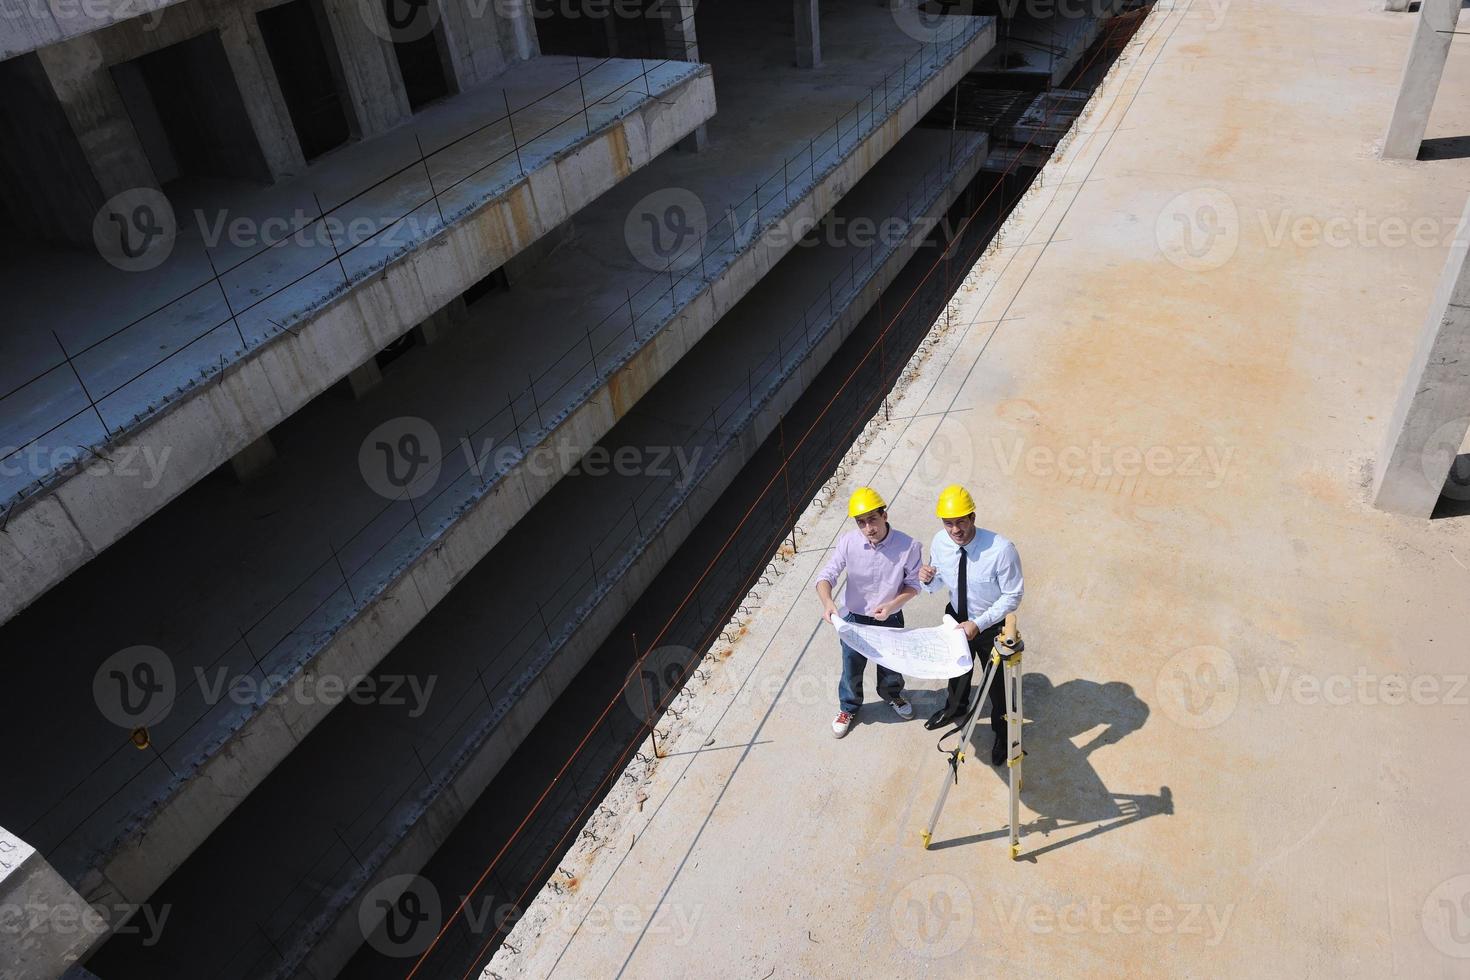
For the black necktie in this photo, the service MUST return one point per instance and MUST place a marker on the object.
(962, 601)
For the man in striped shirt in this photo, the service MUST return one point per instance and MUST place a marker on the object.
(882, 566)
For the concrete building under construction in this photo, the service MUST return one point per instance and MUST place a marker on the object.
(417, 420)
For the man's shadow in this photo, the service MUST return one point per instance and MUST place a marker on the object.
(1060, 784)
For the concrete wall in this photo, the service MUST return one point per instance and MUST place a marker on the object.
(55, 531)
(338, 932)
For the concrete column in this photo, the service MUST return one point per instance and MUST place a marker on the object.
(681, 44)
(369, 67)
(808, 34)
(1433, 411)
(680, 40)
(1396, 5)
(239, 33)
(364, 379)
(432, 330)
(254, 459)
(476, 44)
(55, 925)
(78, 74)
(1428, 51)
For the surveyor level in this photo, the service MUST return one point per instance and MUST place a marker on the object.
(1005, 659)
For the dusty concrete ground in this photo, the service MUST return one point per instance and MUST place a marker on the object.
(1245, 689)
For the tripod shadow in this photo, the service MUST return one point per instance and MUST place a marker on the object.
(1061, 786)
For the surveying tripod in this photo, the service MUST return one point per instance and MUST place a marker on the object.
(1005, 659)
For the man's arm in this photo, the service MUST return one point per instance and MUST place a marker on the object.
(929, 578)
(885, 609)
(1008, 576)
(836, 562)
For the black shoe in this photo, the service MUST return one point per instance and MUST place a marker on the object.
(998, 754)
(941, 718)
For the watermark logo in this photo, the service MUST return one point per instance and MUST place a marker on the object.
(651, 687)
(400, 916)
(401, 458)
(400, 21)
(949, 456)
(1364, 687)
(37, 461)
(25, 923)
(135, 231)
(1199, 230)
(927, 21)
(1104, 918)
(136, 687)
(1446, 917)
(1102, 461)
(1198, 688)
(933, 916)
(666, 229)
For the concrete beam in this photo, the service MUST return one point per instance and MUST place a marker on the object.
(808, 34)
(1433, 411)
(1428, 51)
(47, 929)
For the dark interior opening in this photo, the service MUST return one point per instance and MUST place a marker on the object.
(188, 112)
(47, 191)
(599, 29)
(416, 40)
(293, 39)
(495, 282)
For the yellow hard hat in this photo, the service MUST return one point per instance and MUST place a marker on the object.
(954, 501)
(864, 501)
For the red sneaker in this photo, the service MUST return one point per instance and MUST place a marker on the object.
(841, 724)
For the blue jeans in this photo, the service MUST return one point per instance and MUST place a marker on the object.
(850, 688)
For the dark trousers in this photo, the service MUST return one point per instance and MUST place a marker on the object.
(960, 688)
(850, 687)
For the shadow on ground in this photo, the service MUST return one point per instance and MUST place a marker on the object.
(1061, 786)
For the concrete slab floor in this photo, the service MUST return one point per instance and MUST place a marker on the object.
(269, 572)
(140, 332)
(348, 788)
(1246, 689)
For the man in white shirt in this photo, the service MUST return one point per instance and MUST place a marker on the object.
(982, 572)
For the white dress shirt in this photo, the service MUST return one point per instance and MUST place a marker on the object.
(993, 577)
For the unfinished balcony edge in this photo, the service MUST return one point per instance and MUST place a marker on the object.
(78, 514)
